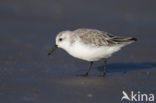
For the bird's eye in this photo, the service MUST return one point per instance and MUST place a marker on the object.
(60, 39)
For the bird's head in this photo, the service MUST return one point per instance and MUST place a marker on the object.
(62, 40)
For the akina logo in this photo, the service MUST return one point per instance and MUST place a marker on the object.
(138, 96)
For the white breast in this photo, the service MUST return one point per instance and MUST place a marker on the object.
(88, 53)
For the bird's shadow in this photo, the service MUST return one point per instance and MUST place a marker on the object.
(125, 67)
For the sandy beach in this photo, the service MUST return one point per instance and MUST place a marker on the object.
(29, 75)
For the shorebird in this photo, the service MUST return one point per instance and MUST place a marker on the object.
(90, 45)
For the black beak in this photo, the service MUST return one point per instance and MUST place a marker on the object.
(52, 50)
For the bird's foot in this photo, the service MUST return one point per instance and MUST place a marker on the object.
(82, 75)
(102, 75)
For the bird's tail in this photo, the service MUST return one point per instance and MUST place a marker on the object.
(124, 40)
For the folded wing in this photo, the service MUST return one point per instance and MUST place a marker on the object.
(99, 38)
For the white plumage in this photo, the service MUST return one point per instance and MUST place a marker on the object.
(91, 44)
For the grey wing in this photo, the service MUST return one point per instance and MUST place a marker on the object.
(95, 37)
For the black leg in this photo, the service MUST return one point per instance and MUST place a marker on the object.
(86, 74)
(104, 72)
(105, 63)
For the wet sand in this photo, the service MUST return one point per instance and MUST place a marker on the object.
(29, 75)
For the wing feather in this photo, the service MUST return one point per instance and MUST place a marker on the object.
(95, 37)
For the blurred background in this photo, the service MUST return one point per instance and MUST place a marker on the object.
(27, 32)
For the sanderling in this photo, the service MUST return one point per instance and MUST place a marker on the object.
(90, 45)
